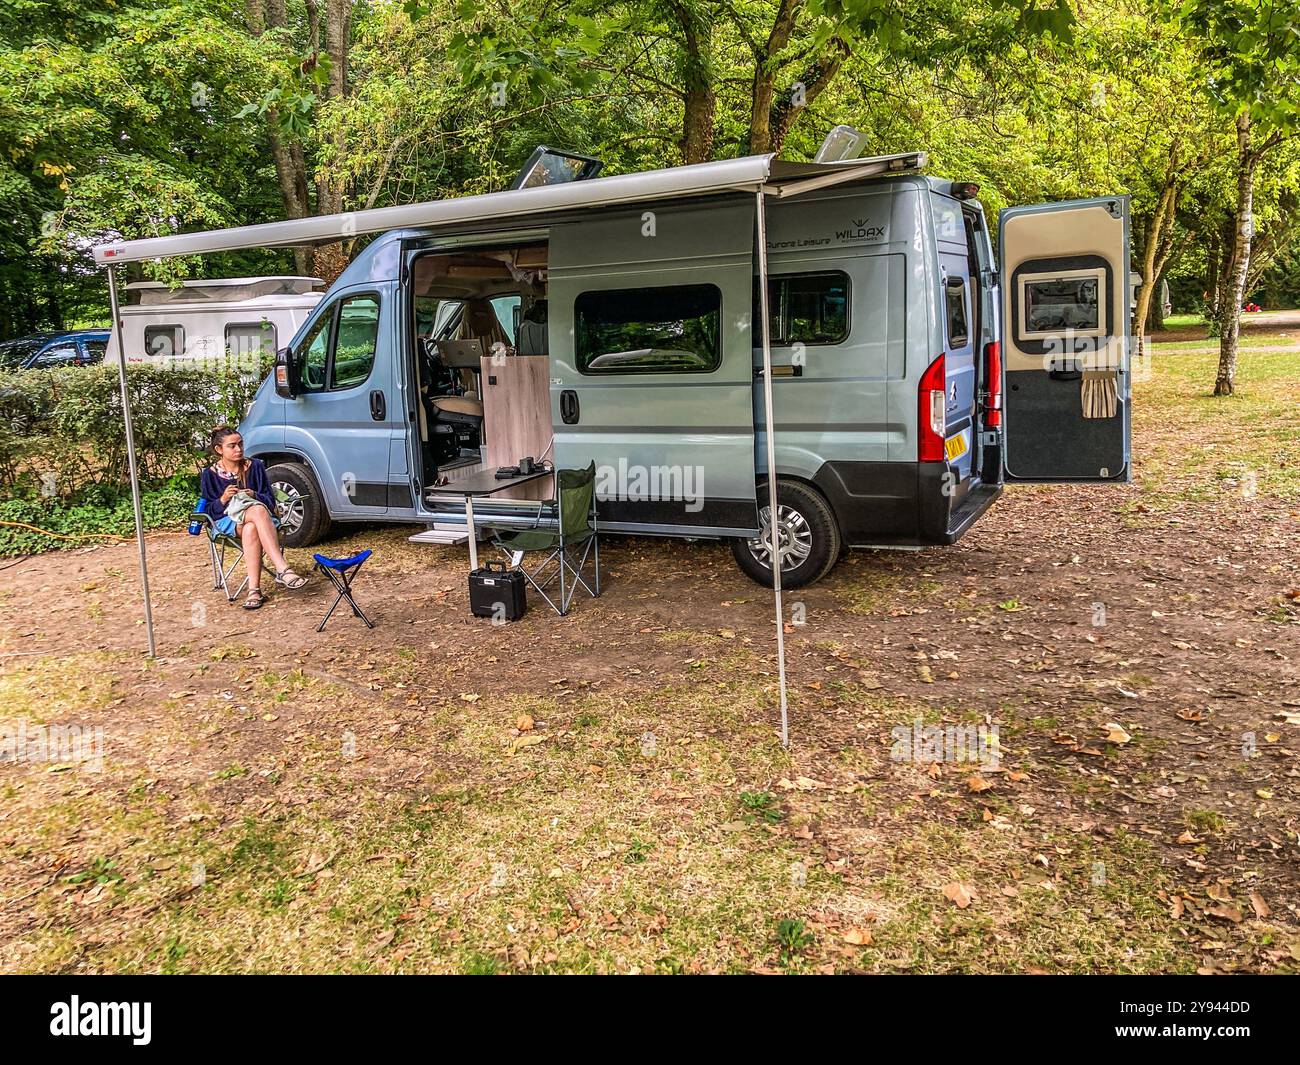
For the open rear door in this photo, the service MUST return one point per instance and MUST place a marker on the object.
(1065, 340)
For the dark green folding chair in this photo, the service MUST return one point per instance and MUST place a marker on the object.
(576, 531)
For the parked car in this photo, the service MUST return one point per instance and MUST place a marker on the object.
(42, 351)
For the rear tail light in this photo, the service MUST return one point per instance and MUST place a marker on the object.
(993, 385)
(932, 412)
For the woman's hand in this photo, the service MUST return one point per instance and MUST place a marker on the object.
(229, 494)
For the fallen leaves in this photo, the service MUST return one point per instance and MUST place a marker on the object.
(1115, 733)
(959, 895)
(799, 784)
(526, 740)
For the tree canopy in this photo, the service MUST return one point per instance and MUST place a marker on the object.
(143, 117)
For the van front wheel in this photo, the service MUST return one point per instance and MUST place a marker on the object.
(303, 519)
(808, 536)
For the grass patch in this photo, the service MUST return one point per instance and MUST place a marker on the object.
(1193, 446)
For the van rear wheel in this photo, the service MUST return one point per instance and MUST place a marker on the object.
(809, 537)
(304, 519)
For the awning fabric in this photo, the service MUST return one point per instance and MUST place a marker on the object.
(700, 179)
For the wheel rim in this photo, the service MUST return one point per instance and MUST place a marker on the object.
(795, 538)
(292, 513)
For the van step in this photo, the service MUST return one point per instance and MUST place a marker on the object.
(440, 534)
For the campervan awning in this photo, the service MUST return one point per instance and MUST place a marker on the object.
(749, 174)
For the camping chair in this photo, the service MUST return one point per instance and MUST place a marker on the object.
(575, 508)
(219, 543)
(341, 572)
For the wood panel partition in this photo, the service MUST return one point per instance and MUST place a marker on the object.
(517, 416)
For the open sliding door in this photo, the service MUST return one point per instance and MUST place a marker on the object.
(1065, 340)
(651, 367)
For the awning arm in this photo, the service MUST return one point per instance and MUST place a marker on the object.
(852, 170)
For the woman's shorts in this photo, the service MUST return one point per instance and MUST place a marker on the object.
(228, 527)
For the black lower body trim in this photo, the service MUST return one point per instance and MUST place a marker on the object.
(901, 504)
(703, 513)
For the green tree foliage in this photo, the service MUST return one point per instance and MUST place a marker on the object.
(1251, 51)
(139, 117)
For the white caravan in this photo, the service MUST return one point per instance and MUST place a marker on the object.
(203, 320)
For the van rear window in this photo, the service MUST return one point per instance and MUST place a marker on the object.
(673, 329)
(958, 322)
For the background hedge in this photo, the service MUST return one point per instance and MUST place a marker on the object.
(63, 464)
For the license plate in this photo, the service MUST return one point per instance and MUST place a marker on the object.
(954, 447)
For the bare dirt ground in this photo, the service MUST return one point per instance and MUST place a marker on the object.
(606, 791)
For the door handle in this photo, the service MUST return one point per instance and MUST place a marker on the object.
(569, 407)
(378, 408)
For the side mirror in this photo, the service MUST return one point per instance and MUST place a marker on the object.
(286, 376)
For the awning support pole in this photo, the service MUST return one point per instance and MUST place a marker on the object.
(770, 435)
(130, 458)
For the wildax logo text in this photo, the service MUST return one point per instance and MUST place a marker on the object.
(641, 483)
(859, 230)
(925, 744)
(103, 1018)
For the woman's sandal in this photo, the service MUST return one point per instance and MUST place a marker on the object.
(288, 579)
(255, 600)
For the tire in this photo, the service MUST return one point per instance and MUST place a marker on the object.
(307, 520)
(807, 516)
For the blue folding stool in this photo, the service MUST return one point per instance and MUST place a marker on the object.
(342, 571)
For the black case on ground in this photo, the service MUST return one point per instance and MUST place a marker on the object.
(493, 584)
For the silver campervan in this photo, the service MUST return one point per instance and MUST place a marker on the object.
(577, 318)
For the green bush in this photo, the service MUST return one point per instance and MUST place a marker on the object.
(95, 511)
(62, 430)
(63, 461)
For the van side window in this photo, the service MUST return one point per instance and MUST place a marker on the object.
(807, 308)
(315, 354)
(358, 336)
(339, 352)
(673, 329)
(164, 340)
(958, 327)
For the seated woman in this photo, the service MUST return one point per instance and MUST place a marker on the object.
(237, 496)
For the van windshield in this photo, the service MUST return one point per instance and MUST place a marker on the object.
(440, 319)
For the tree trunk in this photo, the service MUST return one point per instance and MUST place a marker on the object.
(1238, 260)
(328, 261)
(700, 99)
(1148, 294)
(814, 80)
(1155, 252)
(1212, 279)
(763, 90)
(290, 164)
